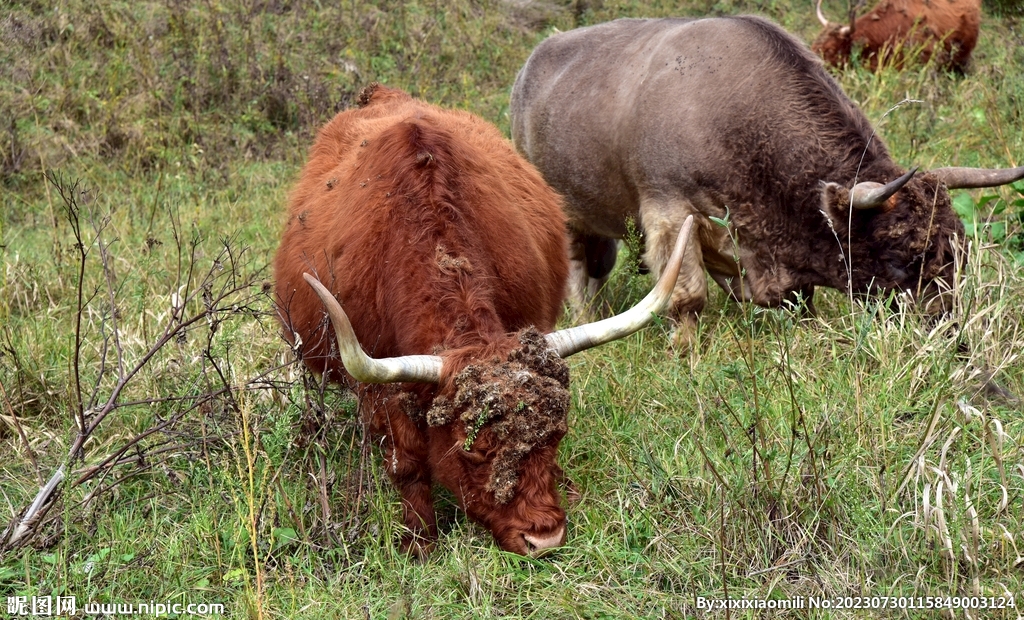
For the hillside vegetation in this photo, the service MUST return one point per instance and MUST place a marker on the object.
(146, 153)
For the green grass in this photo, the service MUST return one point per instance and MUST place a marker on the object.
(780, 457)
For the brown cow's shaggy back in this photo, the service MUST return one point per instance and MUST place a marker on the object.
(410, 230)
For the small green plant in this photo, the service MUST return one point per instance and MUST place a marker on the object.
(474, 430)
(633, 244)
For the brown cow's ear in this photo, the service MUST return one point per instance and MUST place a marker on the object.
(363, 368)
(473, 456)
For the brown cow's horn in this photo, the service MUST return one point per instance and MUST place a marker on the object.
(965, 178)
(566, 342)
(411, 368)
(821, 16)
(868, 194)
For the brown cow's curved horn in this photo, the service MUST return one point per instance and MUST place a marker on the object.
(821, 16)
(868, 194)
(411, 368)
(566, 342)
(964, 178)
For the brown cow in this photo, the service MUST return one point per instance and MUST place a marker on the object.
(734, 121)
(895, 28)
(449, 253)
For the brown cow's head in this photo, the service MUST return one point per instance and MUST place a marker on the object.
(835, 43)
(496, 425)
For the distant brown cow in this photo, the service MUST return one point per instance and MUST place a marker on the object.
(448, 252)
(903, 26)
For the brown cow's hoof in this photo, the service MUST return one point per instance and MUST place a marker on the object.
(417, 547)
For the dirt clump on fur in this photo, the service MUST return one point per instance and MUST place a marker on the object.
(523, 400)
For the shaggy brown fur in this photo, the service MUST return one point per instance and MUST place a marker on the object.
(437, 239)
(523, 400)
(947, 29)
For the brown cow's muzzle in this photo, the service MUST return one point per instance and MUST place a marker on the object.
(537, 546)
(531, 543)
(535, 532)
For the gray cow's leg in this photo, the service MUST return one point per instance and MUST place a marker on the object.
(592, 258)
(660, 221)
(601, 253)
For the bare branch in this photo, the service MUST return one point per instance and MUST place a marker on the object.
(227, 289)
(108, 271)
(71, 212)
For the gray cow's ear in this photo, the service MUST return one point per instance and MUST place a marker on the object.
(871, 195)
(835, 202)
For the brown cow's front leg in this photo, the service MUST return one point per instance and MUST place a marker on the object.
(406, 463)
(413, 482)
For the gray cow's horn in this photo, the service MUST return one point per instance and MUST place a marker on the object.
(411, 368)
(868, 194)
(566, 342)
(964, 178)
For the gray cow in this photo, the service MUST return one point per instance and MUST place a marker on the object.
(729, 118)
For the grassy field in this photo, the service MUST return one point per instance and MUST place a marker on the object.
(147, 152)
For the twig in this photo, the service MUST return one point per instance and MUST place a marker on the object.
(325, 504)
(71, 212)
(36, 510)
(109, 273)
(926, 441)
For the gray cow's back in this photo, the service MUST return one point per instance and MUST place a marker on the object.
(661, 119)
(628, 109)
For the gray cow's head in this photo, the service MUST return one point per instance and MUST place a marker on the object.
(909, 234)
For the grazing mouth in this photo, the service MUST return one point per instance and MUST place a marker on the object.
(538, 546)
